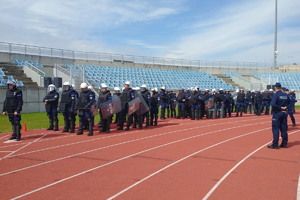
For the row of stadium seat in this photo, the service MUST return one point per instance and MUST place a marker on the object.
(3, 82)
(288, 80)
(171, 79)
(21, 63)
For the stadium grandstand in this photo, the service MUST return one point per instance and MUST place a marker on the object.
(30, 66)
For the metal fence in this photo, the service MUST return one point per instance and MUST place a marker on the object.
(109, 57)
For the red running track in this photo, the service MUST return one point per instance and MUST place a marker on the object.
(179, 159)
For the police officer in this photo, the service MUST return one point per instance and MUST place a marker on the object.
(85, 101)
(293, 95)
(258, 103)
(146, 96)
(220, 103)
(266, 102)
(117, 92)
(51, 104)
(279, 103)
(172, 103)
(240, 100)
(67, 107)
(163, 99)
(227, 103)
(126, 96)
(104, 96)
(12, 106)
(291, 107)
(154, 104)
(248, 102)
(195, 99)
(181, 97)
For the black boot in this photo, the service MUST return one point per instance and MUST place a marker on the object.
(155, 120)
(55, 120)
(267, 111)
(50, 124)
(91, 128)
(80, 130)
(18, 131)
(14, 135)
(237, 114)
(72, 125)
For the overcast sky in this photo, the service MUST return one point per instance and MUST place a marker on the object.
(193, 29)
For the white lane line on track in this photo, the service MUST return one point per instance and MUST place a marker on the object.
(232, 120)
(23, 147)
(236, 166)
(180, 160)
(144, 151)
(118, 144)
(298, 189)
(95, 139)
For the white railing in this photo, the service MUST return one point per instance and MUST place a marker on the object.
(34, 73)
(108, 57)
(33, 68)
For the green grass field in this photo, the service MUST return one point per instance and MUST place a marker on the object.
(38, 121)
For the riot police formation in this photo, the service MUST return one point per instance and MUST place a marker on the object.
(67, 107)
(51, 104)
(12, 107)
(191, 103)
(83, 106)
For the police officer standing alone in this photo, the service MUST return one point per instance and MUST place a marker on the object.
(51, 103)
(279, 104)
(12, 106)
(291, 106)
(85, 101)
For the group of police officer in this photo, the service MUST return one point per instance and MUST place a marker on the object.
(191, 103)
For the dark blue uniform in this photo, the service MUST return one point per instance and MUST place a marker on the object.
(67, 107)
(258, 103)
(84, 104)
(103, 97)
(248, 102)
(163, 99)
(154, 104)
(279, 118)
(13, 103)
(290, 108)
(146, 96)
(181, 98)
(126, 96)
(266, 102)
(228, 101)
(196, 103)
(172, 104)
(240, 103)
(51, 104)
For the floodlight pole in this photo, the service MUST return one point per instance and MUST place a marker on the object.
(275, 39)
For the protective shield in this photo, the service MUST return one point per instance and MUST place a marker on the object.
(134, 105)
(94, 110)
(143, 107)
(209, 104)
(111, 107)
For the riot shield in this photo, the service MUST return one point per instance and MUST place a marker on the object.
(134, 105)
(111, 107)
(143, 107)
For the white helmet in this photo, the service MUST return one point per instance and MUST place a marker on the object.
(83, 85)
(67, 83)
(155, 89)
(144, 86)
(270, 90)
(127, 83)
(136, 88)
(163, 87)
(116, 89)
(90, 87)
(221, 89)
(213, 90)
(51, 87)
(292, 90)
(237, 90)
(103, 85)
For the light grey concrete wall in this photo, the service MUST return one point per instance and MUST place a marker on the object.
(32, 97)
